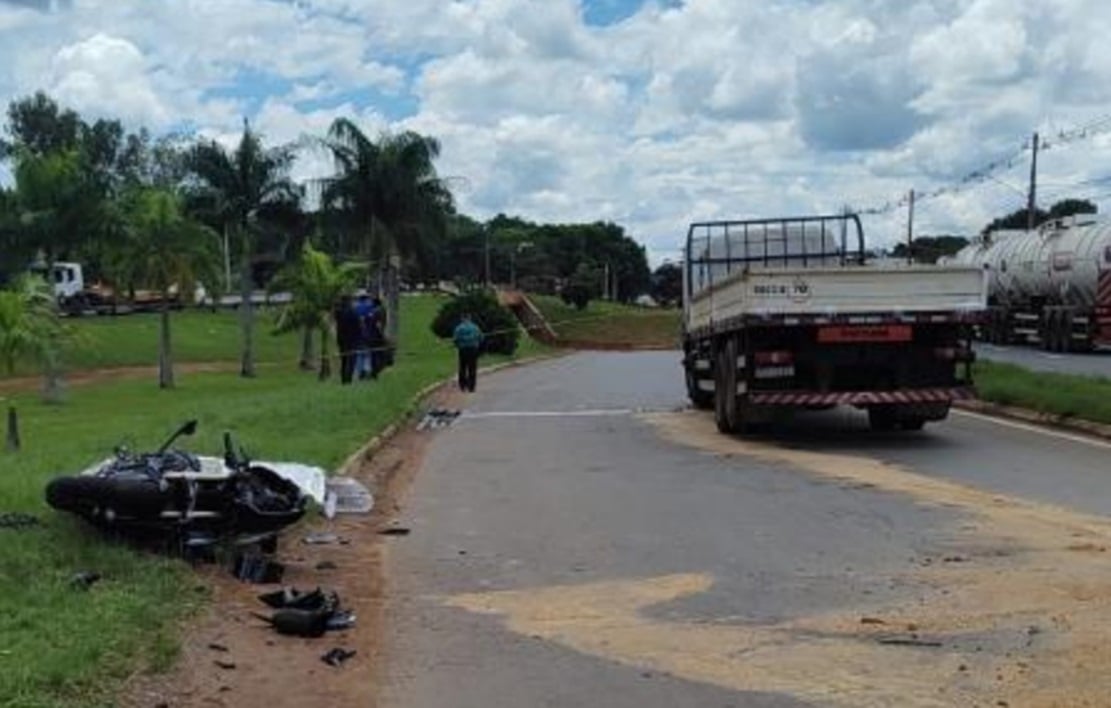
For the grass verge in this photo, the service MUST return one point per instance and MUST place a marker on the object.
(65, 647)
(1083, 397)
(610, 323)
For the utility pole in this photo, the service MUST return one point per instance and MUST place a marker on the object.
(1031, 204)
(606, 282)
(910, 228)
(486, 248)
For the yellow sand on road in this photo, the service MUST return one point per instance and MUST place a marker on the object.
(1035, 574)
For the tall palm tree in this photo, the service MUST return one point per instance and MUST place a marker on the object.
(31, 330)
(391, 197)
(168, 250)
(239, 190)
(317, 284)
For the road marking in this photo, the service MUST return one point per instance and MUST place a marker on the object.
(598, 413)
(1030, 428)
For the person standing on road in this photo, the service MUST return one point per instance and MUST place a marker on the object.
(468, 340)
(364, 311)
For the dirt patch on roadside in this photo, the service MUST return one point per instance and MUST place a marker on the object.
(272, 670)
(1016, 613)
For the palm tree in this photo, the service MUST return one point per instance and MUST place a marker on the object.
(317, 284)
(239, 190)
(390, 196)
(31, 330)
(168, 250)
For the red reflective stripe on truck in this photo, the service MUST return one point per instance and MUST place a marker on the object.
(1103, 290)
(806, 398)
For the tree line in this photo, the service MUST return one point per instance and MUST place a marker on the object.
(164, 212)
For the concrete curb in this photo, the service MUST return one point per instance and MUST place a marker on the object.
(382, 438)
(1048, 420)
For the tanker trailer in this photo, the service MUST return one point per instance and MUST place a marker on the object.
(1050, 286)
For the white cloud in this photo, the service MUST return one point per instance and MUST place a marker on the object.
(711, 108)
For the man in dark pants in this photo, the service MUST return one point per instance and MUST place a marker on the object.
(468, 340)
(347, 337)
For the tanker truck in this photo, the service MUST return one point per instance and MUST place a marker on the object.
(1050, 286)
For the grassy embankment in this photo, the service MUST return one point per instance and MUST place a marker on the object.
(1084, 397)
(611, 324)
(65, 647)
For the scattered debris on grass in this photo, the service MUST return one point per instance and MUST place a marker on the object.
(84, 580)
(323, 538)
(18, 520)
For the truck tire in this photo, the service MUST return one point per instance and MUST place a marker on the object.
(912, 423)
(1048, 328)
(882, 419)
(701, 400)
(727, 409)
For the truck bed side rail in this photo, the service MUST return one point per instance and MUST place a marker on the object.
(717, 249)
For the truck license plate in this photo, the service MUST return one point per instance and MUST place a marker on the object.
(865, 333)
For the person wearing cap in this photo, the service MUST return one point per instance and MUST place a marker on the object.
(468, 340)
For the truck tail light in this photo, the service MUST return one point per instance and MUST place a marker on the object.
(777, 358)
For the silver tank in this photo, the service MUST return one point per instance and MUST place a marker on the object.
(1058, 263)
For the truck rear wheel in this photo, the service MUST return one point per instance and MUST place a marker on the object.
(882, 419)
(727, 412)
(702, 400)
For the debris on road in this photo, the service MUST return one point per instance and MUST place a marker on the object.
(226, 665)
(438, 418)
(306, 614)
(909, 642)
(871, 620)
(255, 568)
(345, 495)
(322, 538)
(327, 565)
(395, 531)
(337, 656)
(215, 646)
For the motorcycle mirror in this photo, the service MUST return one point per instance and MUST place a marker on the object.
(188, 428)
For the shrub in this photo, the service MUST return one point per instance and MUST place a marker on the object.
(582, 287)
(496, 322)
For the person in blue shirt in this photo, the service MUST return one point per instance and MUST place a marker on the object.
(468, 340)
(364, 310)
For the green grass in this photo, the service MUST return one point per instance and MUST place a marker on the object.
(612, 323)
(63, 647)
(198, 336)
(1084, 397)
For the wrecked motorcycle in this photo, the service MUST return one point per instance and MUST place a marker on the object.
(175, 497)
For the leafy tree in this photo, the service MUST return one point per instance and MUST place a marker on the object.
(1069, 207)
(168, 250)
(387, 194)
(30, 329)
(928, 249)
(498, 324)
(667, 284)
(239, 191)
(1017, 219)
(40, 127)
(317, 284)
(583, 287)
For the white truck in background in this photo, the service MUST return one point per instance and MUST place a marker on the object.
(780, 314)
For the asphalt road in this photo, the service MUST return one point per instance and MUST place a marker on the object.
(577, 542)
(1097, 363)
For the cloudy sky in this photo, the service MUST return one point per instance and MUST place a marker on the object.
(650, 113)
